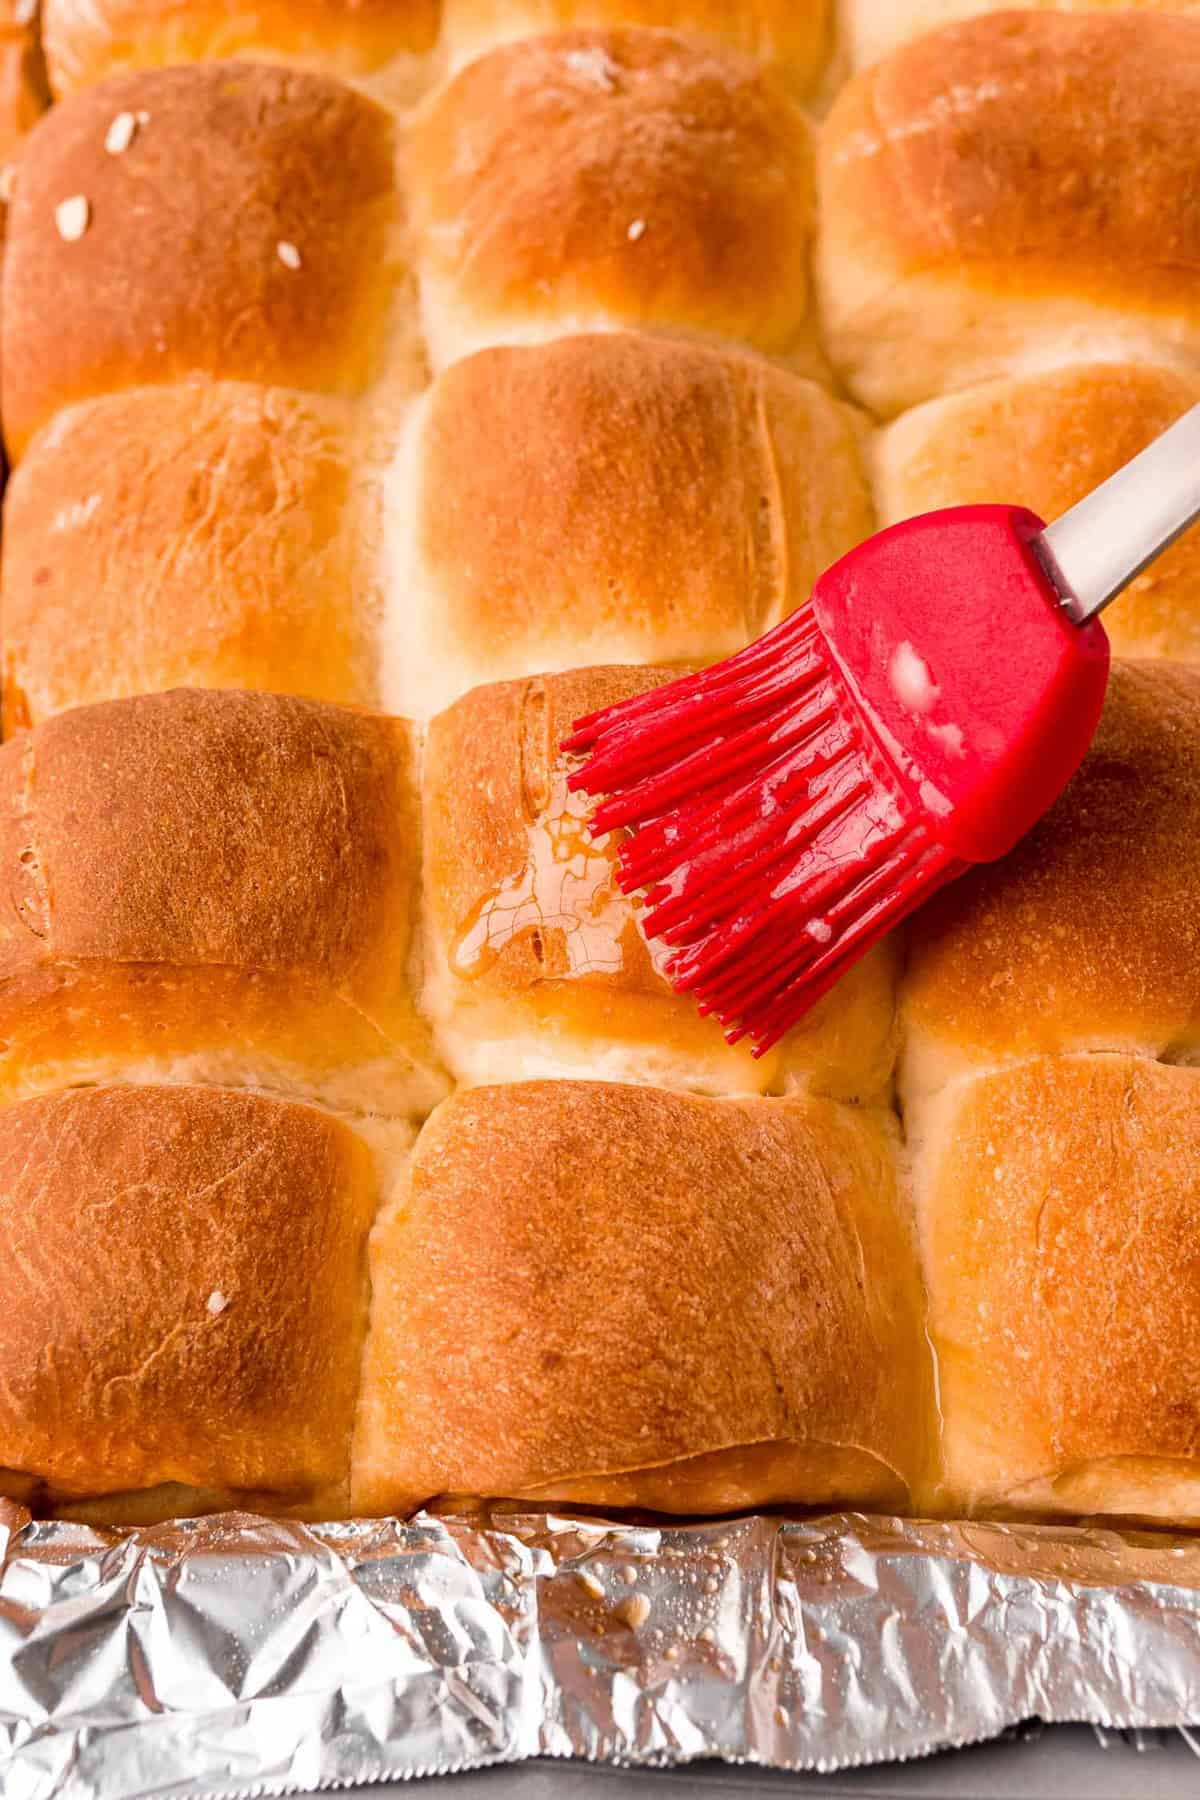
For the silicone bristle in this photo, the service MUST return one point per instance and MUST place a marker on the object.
(772, 840)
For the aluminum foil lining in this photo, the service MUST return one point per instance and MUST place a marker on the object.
(238, 1655)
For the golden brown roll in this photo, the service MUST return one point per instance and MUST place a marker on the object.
(1059, 1205)
(593, 178)
(1087, 936)
(790, 35)
(536, 965)
(23, 92)
(872, 27)
(1044, 441)
(226, 221)
(213, 887)
(633, 1297)
(88, 39)
(185, 536)
(184, 1293)
(951, 252)
(606, 498)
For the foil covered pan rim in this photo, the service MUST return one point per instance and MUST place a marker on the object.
(239, 1658)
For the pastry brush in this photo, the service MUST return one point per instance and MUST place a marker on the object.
(788, 806)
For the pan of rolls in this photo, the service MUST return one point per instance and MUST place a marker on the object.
(384, 385)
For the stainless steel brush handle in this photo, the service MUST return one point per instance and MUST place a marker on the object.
(1099, 546)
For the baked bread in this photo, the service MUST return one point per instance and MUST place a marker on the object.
(183, 536)
(594, 178)
(333, 411)
(1044, 441)
(949, 254)
(286, 268)
(1051, 1018)
(239, 1224)
(697, 1305)
(611, 498)
(88, 39)
(606, 498)
(1057, 1204)
(870, 28)
(791, 36)
(23, 95)
(218, 887)
(535, 965)
(1080, 939)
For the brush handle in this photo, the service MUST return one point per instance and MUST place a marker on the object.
(1099, 546)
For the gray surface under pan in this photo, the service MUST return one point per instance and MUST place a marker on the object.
(1066, 1763)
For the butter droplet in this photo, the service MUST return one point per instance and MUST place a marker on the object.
(288, 254)
(589, 1584)
(565, 900)
(633, 1611)
(912, 683)
(637, 229)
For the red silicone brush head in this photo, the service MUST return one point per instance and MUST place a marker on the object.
(790, 805)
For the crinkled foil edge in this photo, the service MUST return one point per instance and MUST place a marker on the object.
(246, 1656)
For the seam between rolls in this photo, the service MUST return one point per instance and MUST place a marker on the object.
(967, 1077)
(770, 607)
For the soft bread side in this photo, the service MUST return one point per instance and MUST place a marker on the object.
(656, 1279)
(599, 178)
(283, 267)
(949, 254)
(184, 1295)
(213, 886)
(1059, 1204)
(88, 39)
(792, 36)
(536, 965)
(1044, 441)
(611, 497)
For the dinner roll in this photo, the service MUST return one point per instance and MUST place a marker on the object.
(1086, 935)
(88, 39)
(791, 35)
(216, 887)
(951, 253)
(630, 1297)
(1044, 441)
(595, 178)
(870, 28)
(23, 93)
(187, 536)
(1060, 1218)
(536, 963)
(606, 498)
(183, 1287)
(273, 256)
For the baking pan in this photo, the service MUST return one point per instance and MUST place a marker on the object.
(1068, 1763)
